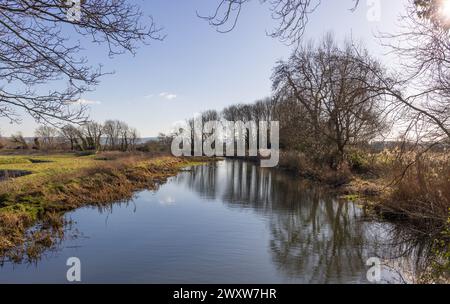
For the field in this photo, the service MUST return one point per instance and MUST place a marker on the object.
(55, 184)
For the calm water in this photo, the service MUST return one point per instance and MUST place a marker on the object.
(229, 222)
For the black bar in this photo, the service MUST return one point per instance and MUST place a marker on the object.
(216, 293)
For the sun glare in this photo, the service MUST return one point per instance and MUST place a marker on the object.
(445, 9)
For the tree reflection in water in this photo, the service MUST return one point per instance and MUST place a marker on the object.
(314, 236)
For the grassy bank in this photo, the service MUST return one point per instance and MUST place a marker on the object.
(412, 187)
(411, 190)
(56, 184)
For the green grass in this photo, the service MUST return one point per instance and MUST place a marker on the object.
(64, 182)
(53, 164)
(63, 163)
(351, 197)
(13, 160)
(55, 172)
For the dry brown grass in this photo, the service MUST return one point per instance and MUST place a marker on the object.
(300, 164)
(46, 196)
(12, 228)
(407, 186)
(421, 190)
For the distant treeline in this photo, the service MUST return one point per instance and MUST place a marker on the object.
(113, 135)
(334, 99)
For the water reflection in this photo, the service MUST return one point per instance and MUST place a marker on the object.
(314, 236)
(227, 222)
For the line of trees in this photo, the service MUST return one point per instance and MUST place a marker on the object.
(332, 99)
(327, 99)
(419, 87)
(113, 135)
(260, 111)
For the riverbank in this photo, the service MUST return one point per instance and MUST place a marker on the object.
(51, 185)
(38, 190)
(411, 186)
(230, 222)
(411, 190)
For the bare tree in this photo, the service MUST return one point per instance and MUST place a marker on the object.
(210, 115)
(133, 136)
(292, 16)
(70, 134)
(339, 95)
(124, 135)
(3, 141)
(262, 110)
(231, 113)
(112, 133)
(120, 136)
(166, 139)
(92, 133)
(423, 49)
(19, 140)
(295, 132)
(36, 49)
(46, 137)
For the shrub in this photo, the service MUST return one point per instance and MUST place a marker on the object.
(298, 163)
(422, 192)
(358, 161)
(155, 147)
(337, 178)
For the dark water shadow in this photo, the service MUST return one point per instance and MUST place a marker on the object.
(10, 174)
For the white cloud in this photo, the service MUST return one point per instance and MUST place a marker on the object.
(168, 96)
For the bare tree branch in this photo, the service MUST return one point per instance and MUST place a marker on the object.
(292, 17)
(39, 53)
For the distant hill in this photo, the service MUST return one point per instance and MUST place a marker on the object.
(146, 139)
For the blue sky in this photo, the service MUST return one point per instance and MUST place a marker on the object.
(196, 68)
